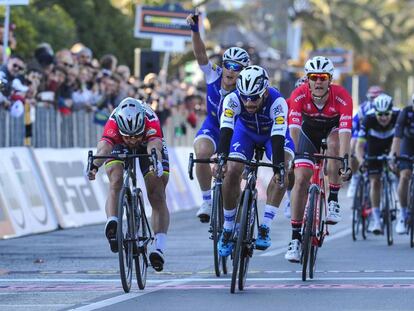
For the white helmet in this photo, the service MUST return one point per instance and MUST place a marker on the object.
(130, 117)
(238, 55)
(252, 80)
(383, 103)
(300, 81)
(319, 64)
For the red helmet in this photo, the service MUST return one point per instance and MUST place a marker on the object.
(374, 91)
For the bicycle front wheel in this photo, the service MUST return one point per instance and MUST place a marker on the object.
(318, 228)
(125, 235)
(217, 228)
(141, 259)
(357, 221)
(237, 253)
(307, 232)
(386, 213)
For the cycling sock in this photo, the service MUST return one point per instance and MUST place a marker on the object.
(376, 214)
(403, 212)
(288, 192)
(206, 196)
(333, 192)
(269, 214)
(229, 216)
(296, 228)
(160, 241)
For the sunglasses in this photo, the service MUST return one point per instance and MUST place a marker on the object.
(68, 65)
(233, 66)
(383, 114)
(132, 136)
(18, 67)
(320, 76)
(252, 98)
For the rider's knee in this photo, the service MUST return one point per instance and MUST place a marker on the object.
(203, 149)
(405, 176)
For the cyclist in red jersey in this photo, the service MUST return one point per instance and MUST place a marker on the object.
(318, 109)
(133, 125)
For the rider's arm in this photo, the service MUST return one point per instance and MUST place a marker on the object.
(345, 124)
(199, 48)
(295, 114)
(278, 113)
(361, 141)
(231, 108)
(156, 143)
(103, 149)
(399, 133)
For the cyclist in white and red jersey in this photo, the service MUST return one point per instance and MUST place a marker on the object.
(318, 109)
(134, 126)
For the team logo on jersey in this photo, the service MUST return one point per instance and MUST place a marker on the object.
(151, 131)
(278, 109)
(280, 120)
(232, 104)
(214, 67)
(228, 113)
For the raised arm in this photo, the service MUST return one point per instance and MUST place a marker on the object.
(199, 48)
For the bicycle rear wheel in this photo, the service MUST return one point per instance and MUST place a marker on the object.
(141, 259)
(217, 229)
(237, 252)
(247, 251)
(307, 231)
(125, 234)
(357, 219)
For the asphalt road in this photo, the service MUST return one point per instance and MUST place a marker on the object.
(74, 269)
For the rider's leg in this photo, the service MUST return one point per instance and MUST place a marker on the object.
(231, 192)
(375, 192)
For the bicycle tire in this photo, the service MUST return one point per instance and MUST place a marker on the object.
(387, 217)
(411, 213)
(216, 227)
(124, 235)
(357, 209)
(307, 232)
(141, 259)
(247, 252)
(243, 207)
(314, 248)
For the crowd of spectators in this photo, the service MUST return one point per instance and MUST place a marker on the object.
(74, 80)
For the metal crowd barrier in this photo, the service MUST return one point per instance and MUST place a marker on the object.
(51, 129)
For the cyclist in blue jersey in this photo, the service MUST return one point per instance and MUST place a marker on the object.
(220, 82)
(254, 115)
(372, 93)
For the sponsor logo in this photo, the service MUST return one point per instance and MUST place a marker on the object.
(232, 104)
(214, 67)
(343, 124)
(299, 97)
(343, 118)
(151, 131)
(295, 120)
(295, 114)
(280, 120)
(111, 133)
(228, 113)
(308, 106)
(227, 122)
(278, 109)
(341, 101)
(236, 145)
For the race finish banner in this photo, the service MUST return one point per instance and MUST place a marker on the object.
(165, 25)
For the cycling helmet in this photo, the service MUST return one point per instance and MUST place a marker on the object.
(238, 55)
(374, 91)
(383, 103)
(252, 80)
(130, 117)
(319, 64)
(300, 81)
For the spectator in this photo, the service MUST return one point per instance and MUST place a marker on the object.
(13, 69)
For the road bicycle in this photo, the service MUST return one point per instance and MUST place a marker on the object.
(410, 209)
(133, 232)
(217, 217)
(315, 227)
(361, 206)
(388, 202)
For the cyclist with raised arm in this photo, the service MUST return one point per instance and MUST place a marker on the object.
(255, 115)
(372, 93)
(220, 82)
(374, 139)
(403, 145)
(318, 109)
(133, 125)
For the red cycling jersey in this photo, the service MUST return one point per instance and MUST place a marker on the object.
(337, 111)
(152, 129)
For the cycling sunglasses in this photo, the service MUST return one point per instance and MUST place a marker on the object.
(252, 98)
(381, 114)
(131, 136)
(320, 76)
(229, 65)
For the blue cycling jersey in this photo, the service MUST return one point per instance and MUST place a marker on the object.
(359, 116)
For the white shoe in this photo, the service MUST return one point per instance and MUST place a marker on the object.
(294, 251)
(376, 227)
(352, 187)
(400, 227)
(204, 212)
(334, 213)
